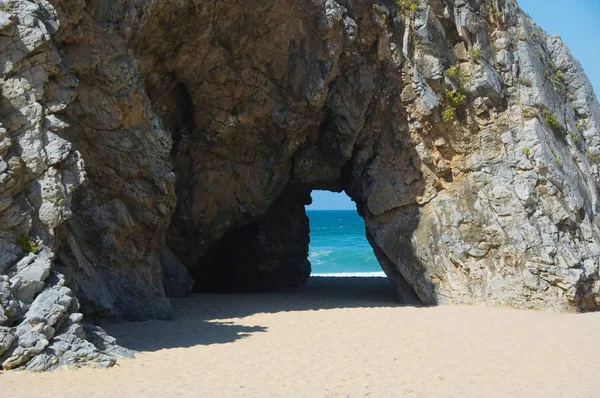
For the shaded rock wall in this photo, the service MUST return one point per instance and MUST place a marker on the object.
(110, 249)
(146, 141)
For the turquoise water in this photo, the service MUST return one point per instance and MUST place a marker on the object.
(338, 244)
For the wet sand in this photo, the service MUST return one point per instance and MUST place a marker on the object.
(338, 337)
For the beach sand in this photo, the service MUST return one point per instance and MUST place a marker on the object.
(338, 337)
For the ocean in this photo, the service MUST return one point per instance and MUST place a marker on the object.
(338, 246)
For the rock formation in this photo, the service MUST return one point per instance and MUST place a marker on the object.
(150, 146)
(40, 327)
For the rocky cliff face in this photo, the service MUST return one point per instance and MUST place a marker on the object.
(148, 146)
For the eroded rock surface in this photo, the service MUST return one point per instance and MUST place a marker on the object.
(146, 145)
(40, 326)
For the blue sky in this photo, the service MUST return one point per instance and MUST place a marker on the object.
(324, 200)
(576, 21)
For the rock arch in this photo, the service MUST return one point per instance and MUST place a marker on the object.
(138, 136)
(262, 114)
(348, 96)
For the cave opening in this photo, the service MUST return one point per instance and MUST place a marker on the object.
(344, 266)
(273, 253)
(338, 245)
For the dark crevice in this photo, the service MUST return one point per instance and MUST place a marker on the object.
(185, 110)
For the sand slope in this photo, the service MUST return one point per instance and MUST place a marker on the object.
(339, 337)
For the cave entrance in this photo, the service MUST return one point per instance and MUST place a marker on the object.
(345, 269)
(338, 245)
(273, 252)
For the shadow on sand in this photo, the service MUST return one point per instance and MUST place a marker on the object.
(204, 319)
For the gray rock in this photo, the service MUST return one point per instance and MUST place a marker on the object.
(105, 343)
(9, 305)
(7, 337)
(29, 345)
(79, 345)
(51, 305)
(27, 278)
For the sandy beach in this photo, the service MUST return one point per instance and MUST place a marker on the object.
(338, 337)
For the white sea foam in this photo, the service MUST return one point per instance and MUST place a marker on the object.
(353, 274)
(314, 256)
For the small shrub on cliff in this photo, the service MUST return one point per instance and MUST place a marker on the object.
(455, 98)
(556, 158)
(7, 6)
(580, 125)
(452, 72)
(552, 121)
(463, 79)
(555, 79)
(410, 5)
(574, 138)
(448, 114)
(528, 113)
(26, 244)
(526, 151)
(452, 100)
(476, 53)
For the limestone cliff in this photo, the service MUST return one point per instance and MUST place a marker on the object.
(148, 146)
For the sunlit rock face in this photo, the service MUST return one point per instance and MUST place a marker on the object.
(147, 147)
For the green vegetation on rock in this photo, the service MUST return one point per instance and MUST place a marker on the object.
(574, 137)
(552, 121)
(410, 5)
(453, 100)
(26, 244)
(448, 114)
(528, 113)
(452, 72)
(7, 6)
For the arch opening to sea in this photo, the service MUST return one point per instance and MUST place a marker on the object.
(338, 244)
